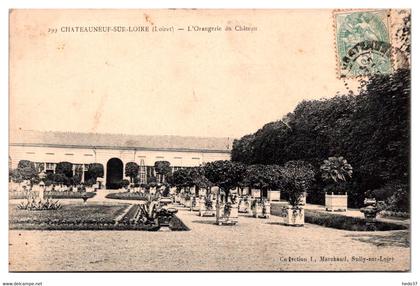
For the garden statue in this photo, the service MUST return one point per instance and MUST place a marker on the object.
(155, 215)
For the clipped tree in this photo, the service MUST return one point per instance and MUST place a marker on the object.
(263, 177)
(15, 176)
(65, 168)
(224, 174)
(198, 179)
(162, 168)
(181, 179)
(297, 177)
(95, 170)
(27, 170)
(132, 170)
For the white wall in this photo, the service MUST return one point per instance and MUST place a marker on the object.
(86, 156)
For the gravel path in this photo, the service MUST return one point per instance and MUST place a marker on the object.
(254, 244)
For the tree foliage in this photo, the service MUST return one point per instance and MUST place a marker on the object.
(224, 174)
(297, 177)
(131, 170)
(26, 170)
(65, 168)
(370, 130)
(95, 170)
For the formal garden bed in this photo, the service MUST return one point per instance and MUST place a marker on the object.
(136, 196)
(82, 217)
(347, 222)
(20, 195)
(68, 195)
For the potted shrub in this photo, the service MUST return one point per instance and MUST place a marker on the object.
(260, 208)
(187, 200)
(296, 179)
(227, 213)
(335, 172)
(207, 207)
(226, 175)
(195, 203)
(244, 205)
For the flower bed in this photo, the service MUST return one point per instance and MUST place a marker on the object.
(347, 222)
(68, 195)
(81, 217)
(67, 214)
(20, 195)
(127, 196)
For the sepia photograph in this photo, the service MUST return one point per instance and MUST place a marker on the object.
(209, 140)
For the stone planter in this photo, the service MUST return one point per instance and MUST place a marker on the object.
(224, 216)
(187, 203)
(255, 193)
(244, 206)
(195, 204)
(204, 211)
(293, 217)
(335, 202)
(261, 210)
(273, 195)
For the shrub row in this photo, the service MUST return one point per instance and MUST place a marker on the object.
(127, 196)
(346, 222)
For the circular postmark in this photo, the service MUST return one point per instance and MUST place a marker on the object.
(363, 43)
(366, 58)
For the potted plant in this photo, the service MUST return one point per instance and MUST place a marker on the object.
(260, 208)
(207, 207)
(187, 200)
(335, 172)
(195, 203)
(227, 213)
(226, 175)
(265, 179)
(296, 179)
(244, 204)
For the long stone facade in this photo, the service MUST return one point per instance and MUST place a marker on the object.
(48, 149)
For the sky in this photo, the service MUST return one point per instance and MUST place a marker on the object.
(180, 82)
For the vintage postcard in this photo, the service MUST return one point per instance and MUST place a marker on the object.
(209, 140)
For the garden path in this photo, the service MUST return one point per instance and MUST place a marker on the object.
(253, 244)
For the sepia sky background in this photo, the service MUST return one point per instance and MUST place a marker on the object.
(179, 83)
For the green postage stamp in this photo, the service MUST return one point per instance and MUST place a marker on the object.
(362, 42)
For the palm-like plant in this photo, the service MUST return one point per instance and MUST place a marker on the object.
(336, 169)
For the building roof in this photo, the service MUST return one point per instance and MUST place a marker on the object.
(118, 141)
